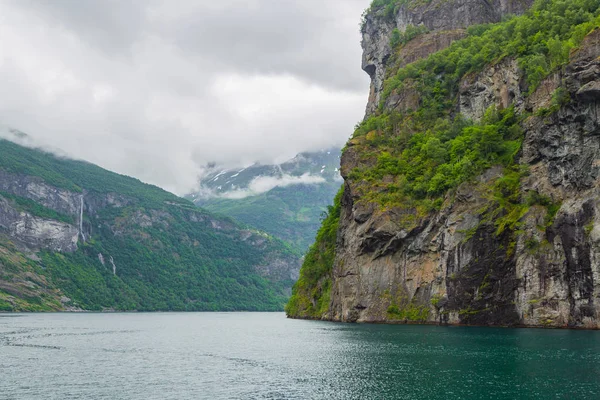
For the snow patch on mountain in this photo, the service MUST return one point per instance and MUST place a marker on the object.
(263, 184)
(250, 180)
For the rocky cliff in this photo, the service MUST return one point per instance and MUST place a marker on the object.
(471, 188)
(74, 236)
(445, 20)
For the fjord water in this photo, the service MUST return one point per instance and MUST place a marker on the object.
(266, 356)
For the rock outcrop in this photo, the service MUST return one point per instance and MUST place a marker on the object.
(34, 188)
(36, 232)
(455, 266)
(446, 20)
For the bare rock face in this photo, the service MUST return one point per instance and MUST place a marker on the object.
(33, 188)
(42, 233)
(451, 266)
(445, 19)
(37, 232)
(498, 85)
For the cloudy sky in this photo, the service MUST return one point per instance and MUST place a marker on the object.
(158, 88)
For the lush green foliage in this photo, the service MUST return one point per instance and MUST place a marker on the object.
(186, 267)
(540, 40)
(423, 153)
(411, 32)
(289, 213)
(167, 252)
(425, 165)
(30, 206)
(311, 294)
(409, 312)
(76, 175)
(509, 204)
(22, 284)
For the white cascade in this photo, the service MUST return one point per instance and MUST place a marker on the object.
(81, 218)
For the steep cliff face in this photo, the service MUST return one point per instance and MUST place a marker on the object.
(445, 20)
(74, 236)
(513, 241)
(37, 232)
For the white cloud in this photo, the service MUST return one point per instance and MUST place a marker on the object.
(263, 184)
(156, 89)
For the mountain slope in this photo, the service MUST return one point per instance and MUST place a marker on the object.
(471, 187)
(291, 210)
(73, 235)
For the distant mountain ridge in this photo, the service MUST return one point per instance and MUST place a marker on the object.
(286, 200)
(315, 167)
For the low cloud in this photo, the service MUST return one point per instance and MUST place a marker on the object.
(263, 184)
(157, 89)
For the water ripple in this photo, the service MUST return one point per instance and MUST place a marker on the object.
(265, 356)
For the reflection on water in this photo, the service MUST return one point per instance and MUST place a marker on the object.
(265, 356)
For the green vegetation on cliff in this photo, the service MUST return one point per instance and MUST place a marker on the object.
(409, 34)
(23, 286)
(423, 153)
(311, 294)
(167, 253)
(288, 213)
(411, 159)
(175, 264)
(540, 40)
(424, 165)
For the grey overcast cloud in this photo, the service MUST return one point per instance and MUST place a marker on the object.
(156, 89)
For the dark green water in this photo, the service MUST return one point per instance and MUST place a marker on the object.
(265, 356)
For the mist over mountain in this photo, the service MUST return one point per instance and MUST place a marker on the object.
(156, 89)
(285, 199)
(74, 236)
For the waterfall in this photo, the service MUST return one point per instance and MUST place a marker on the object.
(113, 265)
(81, 218)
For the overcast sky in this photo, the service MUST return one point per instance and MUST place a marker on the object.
(158, 88)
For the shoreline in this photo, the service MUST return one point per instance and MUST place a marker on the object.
(449, 325)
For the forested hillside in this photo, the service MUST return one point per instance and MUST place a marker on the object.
(75, 236)
(291, 210)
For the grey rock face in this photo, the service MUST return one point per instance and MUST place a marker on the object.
(498, 85)
(376, 34)
(37, 232)
(33, 188)
(437, 16)
(452, 266)
(40, 233)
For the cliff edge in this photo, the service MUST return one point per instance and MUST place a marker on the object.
(471, 187)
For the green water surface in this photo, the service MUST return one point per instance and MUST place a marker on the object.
(266, 356)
